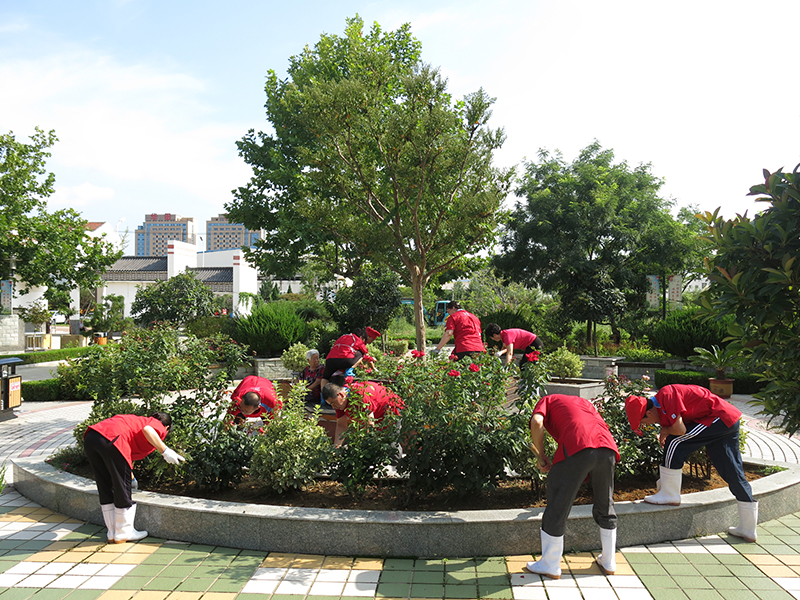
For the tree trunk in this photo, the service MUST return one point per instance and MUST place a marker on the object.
(588, 332)
(419, 314)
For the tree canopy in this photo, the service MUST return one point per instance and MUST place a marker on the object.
(755, 276)
(176, 300)
(371, 159)
(47, 248)
(591, 231)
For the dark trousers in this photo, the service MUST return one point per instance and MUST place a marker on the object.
(535, 346)
(722, 445)
(339, 364)
(564, 481)
(112, 473)
(460, 355)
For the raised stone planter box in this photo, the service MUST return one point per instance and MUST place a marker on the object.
(384, 533)
(583, 388)
(599, 367)
(636, 370)
(270, 368)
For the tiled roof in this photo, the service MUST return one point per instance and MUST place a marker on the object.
(140, 263)
(92, 225)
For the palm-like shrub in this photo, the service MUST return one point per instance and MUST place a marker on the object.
(271, 328)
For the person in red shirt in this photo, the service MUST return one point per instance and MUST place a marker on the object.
(691, 417)
(348, 351)
(111, 446)
(465, 328)
(254, 397)
(376, 399)
(514, 339)
(586, 448)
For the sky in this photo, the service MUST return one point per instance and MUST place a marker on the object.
(148, 98)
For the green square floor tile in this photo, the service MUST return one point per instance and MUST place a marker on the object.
(168, 550)
(704, 595)
(762, 583)
(495, 591)
(162, 584)
(158, 559)
(716, 570)
(225, 551)
(143, 570)
(194, 585)
(9, 544)
(392, 590)
(18, 593)
(740, 595)
(733, 559)
(493, 579)
(207, 572)
(200, 548)
(428, 577)
(685, 569)
(745, 571)
(252, 597)
(223, 584)
(460, 591)
(649, 569)
(87, 528)
(17, 554)
(85, 594)
(640, 558)
(726, 583)
(180, 572)
(491, 565)
(34, 545)
(218, 560)
(131, 583)
(671, 558)
(427, 590)
(460, 577)
(396, 576)
(257, 553)
(428, 564)
(398, 564)
(774, 595)
(689, 582)
(458, 564)
(51, 594)
(665, 594)
(658, 582)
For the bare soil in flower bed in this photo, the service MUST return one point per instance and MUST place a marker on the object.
(391, 495)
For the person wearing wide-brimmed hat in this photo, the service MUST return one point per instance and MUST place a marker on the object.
(691, 417)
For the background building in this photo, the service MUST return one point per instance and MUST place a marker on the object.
(223, 235)
(152, 236)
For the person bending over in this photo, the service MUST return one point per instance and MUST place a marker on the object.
(514, 339)
(373, 396)
(254, 397)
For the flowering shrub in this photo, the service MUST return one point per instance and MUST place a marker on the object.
(454, 429)
(292, 449)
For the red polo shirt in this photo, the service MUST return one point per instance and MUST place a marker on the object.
(265, 390)
(466, 329)
(126, 432)
(519, 337)
(377, 398)
(346, 347)
(574, 424)
(694, 404)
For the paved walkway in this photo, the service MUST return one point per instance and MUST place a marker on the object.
(47, 556)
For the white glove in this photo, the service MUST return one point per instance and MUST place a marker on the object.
(498, 354)
(435, 351)
(172, 457)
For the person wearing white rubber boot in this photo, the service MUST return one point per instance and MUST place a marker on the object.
(111, 446)
(691, 417)
(586, 448)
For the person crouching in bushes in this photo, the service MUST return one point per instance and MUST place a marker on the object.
(254, 397)
(312, 375)
(691, 417)
(377, 399)
(111, 446)
(347, 352)
(514, 339)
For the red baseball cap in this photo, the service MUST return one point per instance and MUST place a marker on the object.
(373, 333)
(635, 408)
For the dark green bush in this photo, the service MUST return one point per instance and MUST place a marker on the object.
(271, 328)
(47, 390)
(30, 358)
(743, 383)
(684, 330)
(506, 319)
(210, 325)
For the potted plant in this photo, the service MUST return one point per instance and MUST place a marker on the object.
(718, 359)
(37, 315)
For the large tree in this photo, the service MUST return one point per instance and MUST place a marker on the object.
(46, 248)
(371, 159)
(591, 231)
(755, 276)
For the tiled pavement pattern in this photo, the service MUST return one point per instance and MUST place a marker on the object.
(46, 556)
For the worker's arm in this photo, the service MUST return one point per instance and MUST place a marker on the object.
(445, 338)
(341, 425)
(509, 350)
(154, 440)
(537, 443)
(677, 428)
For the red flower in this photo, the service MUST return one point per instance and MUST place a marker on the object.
(533, 356)
(417, 353)
(454, 373)
(474, 368)
(348, 379)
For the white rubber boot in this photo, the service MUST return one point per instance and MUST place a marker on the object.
(748, 520)
(670, 492)
(124, 529)
(607, 560)
(108, 519)
(550, 563)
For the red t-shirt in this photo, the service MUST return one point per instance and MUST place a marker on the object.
(126, 432)
(466, 329)
(376, 397)
(264, 389)
(346, 347)
(574, 424)
(519, 337)
(694, 404)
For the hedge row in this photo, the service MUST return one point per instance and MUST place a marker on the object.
(744, 383)
(30, 358)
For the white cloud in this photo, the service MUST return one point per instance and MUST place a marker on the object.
(13, 26)
(83, 195)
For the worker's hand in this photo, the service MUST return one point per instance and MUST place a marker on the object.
(435, 351)
(172, 457)
(134, 483)
(544, 464)
(499, 353)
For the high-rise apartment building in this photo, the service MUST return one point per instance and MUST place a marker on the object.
(152, 236)
(223, 235)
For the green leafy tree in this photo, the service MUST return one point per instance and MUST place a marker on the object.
(371, 159)
(754, 277)
(591, 231)
(177, 300)
(45, 248)
(373, 300)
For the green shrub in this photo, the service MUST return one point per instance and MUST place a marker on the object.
(67, 458)
(47, 390)
(684, 330)
(209, 326)
(563, 364)
(30, 358)
(743, 383)
(218, 454)
(270, 329)
(292, 449)
(644, 355)
(506, 319)
(327, 338)
(294, 358)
